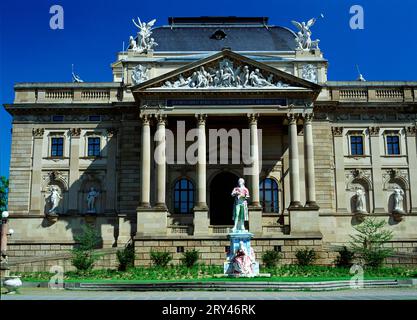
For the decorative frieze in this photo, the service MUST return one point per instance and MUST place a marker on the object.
(395, 177)
(355, 176)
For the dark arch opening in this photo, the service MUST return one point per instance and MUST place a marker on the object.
(221, 201)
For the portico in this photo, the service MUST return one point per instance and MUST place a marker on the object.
(204, 109)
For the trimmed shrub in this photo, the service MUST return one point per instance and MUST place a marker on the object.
(345, 258)
(305, 257)
(160, 258)
(189, 258)
(126, 257)
(271, 258)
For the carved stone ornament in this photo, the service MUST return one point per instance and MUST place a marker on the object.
(303, 39)
(411, 131)
(111, 132)
(226, 76)
(309, 73)
(75, 132)
(145, 42)
(38, 132)
(374, 131)
(201, 119)
(253, 118)
(337, 131)
(140, 74)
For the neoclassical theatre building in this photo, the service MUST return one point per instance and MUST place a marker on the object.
(232, 97)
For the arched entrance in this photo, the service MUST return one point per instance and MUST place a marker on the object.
(221, 201)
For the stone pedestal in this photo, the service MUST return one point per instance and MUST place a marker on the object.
(304, 221)
(151, 222)
(235, 239)
(201, 221)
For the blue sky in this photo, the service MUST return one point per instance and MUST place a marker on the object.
(94, 30)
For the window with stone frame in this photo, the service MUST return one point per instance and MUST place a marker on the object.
(356, 142)
(57, 146)
(94, 147)
(183, 196)
(268, 192)
(392, 143)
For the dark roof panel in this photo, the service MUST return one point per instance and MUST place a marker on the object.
(237, 38)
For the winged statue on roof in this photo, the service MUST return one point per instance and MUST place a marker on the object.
(304, 33)
(145, 42)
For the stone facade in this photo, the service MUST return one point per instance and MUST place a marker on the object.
(304, 147)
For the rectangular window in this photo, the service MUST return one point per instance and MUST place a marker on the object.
(93, 147)
(356, 145)
(393, 145)
(57, 147)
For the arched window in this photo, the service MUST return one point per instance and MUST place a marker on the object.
(268, 190)
(183, 196)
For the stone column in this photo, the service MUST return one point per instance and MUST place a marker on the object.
(201, 162)
(253, 123)
(294, 162)
(339, 167)
(160, 158)
(35, 195)
(201, 215)
(255, 210)
(412, 163)
(111, 181)
(309, 162)
(74, 173)
(379, 196)
(146, 161)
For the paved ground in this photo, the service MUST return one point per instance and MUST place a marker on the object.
(360, 294)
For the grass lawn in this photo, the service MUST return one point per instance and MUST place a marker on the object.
(285, 273)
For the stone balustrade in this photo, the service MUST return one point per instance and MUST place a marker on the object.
(68, 92)
(371, 91)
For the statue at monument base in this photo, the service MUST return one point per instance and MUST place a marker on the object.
(240, 261)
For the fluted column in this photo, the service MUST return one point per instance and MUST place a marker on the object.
(294, 161)
(309, 161)
(201, 162)
(160, 159)
(146, 161)
(253, 123)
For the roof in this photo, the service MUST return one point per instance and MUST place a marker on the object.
(216, 33)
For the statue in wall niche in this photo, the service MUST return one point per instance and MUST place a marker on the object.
(243, 261)
(240, 209)
(398, 200)
(54, 199)
(91, 200)
(360, 201)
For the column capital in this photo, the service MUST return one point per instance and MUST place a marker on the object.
(38, 132)
(292, 118)
(75, 132)
(146, 118)
(337, 131)
(253, 118)
(411, 131)
(308, 117)
(161, 118)
(201, 118)
(112, 132)
(374, 131)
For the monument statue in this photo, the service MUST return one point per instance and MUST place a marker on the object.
(303, 38)
(54, 199)
(146, 43)
(240, 209)
(360, 201)
(91, 200)
(398, 200)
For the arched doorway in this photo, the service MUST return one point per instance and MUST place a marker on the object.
(221, 201)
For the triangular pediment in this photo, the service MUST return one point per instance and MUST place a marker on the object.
(225, 70)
